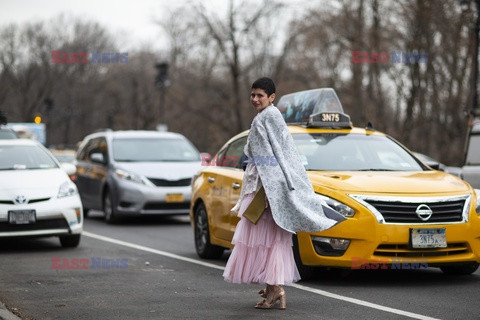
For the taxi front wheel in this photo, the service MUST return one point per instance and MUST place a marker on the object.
(306, 272)
(203, 246)
(462, 269)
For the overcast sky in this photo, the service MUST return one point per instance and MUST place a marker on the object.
(133, 20)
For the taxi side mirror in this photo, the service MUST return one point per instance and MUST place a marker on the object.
(206, 158)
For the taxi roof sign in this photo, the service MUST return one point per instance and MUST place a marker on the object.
(297, 107)
(329, 120)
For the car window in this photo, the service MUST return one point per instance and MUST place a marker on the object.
(331, 151)
(153, 149)
(233, 155)
(96, 145)
(25, 157)
(64, 157)
(473, 154)
(82, 153)
(6, 133)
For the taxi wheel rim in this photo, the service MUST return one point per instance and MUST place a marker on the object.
(202, 229)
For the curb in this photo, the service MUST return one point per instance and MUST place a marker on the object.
(5, 314)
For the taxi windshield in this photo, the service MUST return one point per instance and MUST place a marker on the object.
(153, 150)
(353, 152)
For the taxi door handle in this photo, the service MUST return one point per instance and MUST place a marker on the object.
(211, 179)
(235, 185)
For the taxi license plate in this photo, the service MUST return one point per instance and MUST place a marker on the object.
(428, 238)
(21, 217)
(174, 197)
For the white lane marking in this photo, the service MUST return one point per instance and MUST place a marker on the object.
(151, 250)
(363, 303)
(297, 286)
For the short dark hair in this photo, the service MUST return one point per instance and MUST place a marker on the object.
(265, 84)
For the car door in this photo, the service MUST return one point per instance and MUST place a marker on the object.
(215, 177)
(233, 181)
(82, 174)
(92, 174)
(229, 174)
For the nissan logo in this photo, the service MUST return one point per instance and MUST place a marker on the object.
(424, 212)
(20, 199)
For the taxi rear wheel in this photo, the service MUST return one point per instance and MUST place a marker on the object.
(463, 269)
(203, 246)
(306, 272)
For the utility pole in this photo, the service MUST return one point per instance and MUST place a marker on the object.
(49, 104)
(162, 81)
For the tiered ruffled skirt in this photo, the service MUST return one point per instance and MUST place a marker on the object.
(262, 253)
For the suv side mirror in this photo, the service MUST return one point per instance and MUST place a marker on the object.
(97, 157)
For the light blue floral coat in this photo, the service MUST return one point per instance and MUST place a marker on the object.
(294, 204)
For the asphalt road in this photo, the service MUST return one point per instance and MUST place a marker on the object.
(148, 269)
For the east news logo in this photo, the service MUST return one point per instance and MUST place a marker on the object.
(96, 57)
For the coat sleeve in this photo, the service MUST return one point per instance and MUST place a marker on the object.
(277, 124)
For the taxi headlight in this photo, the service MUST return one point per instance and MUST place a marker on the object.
(67, 189)
(129, 176)
(338, 206)
(477, 205)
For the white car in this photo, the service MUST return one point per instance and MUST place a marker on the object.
(37, 197)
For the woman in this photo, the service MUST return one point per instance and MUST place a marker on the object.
(263, 251)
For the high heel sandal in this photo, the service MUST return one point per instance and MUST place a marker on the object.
(276, 296)
(263, 293)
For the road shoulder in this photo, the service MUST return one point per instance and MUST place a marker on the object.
(5, 314)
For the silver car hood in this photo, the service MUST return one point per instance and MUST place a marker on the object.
(162, 170)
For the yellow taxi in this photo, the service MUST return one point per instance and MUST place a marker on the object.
(400, 212)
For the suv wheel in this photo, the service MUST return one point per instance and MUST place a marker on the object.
(110, 216)
(203, 246)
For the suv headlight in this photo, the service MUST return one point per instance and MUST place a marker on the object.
(477, 205)
(67, 189)
(338, 206)
(129, 176)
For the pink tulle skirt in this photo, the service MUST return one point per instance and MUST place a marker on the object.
(262, 252)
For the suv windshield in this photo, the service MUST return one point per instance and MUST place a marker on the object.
(153, 149)
(353, 152)
(24, 157)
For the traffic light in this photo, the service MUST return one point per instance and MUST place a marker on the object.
(37, 119)
(162, 80)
